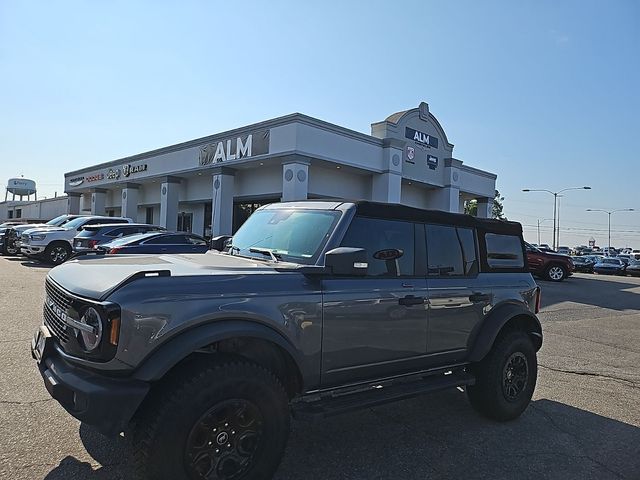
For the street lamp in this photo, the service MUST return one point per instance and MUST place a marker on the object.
(609, 214)
(539, 222)
(555, 203)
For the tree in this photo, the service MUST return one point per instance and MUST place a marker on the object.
(471, 207)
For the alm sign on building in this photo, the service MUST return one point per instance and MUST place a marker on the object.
(228, 150)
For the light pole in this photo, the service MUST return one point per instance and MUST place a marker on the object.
(555, 203)
(539, 222)
(609, 215)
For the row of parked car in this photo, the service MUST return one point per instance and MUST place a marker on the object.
(620, 265)
(67, 235)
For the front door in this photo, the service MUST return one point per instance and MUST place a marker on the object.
(376, 325)
(457, 294)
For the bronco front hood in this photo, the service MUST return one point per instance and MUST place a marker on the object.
(97, 276)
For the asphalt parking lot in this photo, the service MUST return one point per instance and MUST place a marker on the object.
(584, 421)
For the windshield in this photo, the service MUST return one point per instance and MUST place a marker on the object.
(57, 221)
(295, 235)
(612, 261)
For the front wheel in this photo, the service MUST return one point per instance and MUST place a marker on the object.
(222, 421)
(505, 378)
(556, 273)
(57, 253)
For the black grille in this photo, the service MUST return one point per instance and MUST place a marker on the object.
(51, 320)
(59, 296)
(56, 326)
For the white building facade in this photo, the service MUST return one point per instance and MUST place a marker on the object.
(211, 185)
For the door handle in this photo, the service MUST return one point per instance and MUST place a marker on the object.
(409, 300)
(479, 297)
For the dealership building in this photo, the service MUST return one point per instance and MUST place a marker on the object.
(211, 185)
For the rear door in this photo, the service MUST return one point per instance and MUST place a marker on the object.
(457, 293)
(376, 325)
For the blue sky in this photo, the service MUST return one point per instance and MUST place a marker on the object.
(546, 94)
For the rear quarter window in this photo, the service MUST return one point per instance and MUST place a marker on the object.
(504, 251)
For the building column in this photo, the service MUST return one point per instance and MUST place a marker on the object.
(98, 199)
(485, 208)
(295, 181)
(461, 201)
(73, 203)
(222, 201)
(169, 197)
(387, 185)
(130, 201)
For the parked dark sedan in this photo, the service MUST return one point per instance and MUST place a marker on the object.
(94, 235)
(583, 264)
(157, 242)
(634, 268)
(610, 266)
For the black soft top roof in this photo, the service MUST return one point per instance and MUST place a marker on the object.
(402, 212)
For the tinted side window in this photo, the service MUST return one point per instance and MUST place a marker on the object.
(451, 251)
(167, 240)
(380, 238)
(504, 251)
(118, 232)
(195, 240)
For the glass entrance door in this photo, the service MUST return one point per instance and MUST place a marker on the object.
(185, 222)
(243, 210)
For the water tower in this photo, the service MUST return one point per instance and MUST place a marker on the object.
(21, 187)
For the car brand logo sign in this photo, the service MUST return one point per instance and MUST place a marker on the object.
(76, 181)
(432, 162)
(129, 169)
(411, 153)
(113, 174)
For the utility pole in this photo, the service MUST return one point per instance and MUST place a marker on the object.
(555, 204)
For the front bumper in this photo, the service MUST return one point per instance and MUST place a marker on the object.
(28, 249)
(108, 404)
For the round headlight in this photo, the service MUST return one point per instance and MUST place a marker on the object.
(90, 338)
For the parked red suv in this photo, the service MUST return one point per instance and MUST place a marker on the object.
(552, 266)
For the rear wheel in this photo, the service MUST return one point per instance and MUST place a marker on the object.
(57, 253)
(505, 378)
(556, 273)
(222, 421)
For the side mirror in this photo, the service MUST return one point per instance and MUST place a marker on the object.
(347, 261)
(219, 242)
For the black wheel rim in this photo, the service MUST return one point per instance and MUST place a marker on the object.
(224, 442)
(514, 376)
(58, 254)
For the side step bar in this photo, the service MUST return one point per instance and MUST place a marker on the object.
(378, 394)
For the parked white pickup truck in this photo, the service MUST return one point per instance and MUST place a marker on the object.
(54, 245)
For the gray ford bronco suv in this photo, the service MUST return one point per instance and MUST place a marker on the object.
(313, 308)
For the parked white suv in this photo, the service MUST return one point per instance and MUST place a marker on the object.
(54, 245)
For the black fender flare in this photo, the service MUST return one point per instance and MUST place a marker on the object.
(482, 341)
(161, 360)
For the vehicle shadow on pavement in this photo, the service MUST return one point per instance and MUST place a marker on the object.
(605, 291)
(28, 262)
(435, 437)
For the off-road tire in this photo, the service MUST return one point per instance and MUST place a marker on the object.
(555, 273)
(489, 395)
(57, 253)
(163, 430)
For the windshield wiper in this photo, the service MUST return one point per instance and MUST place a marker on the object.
(266, 251)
